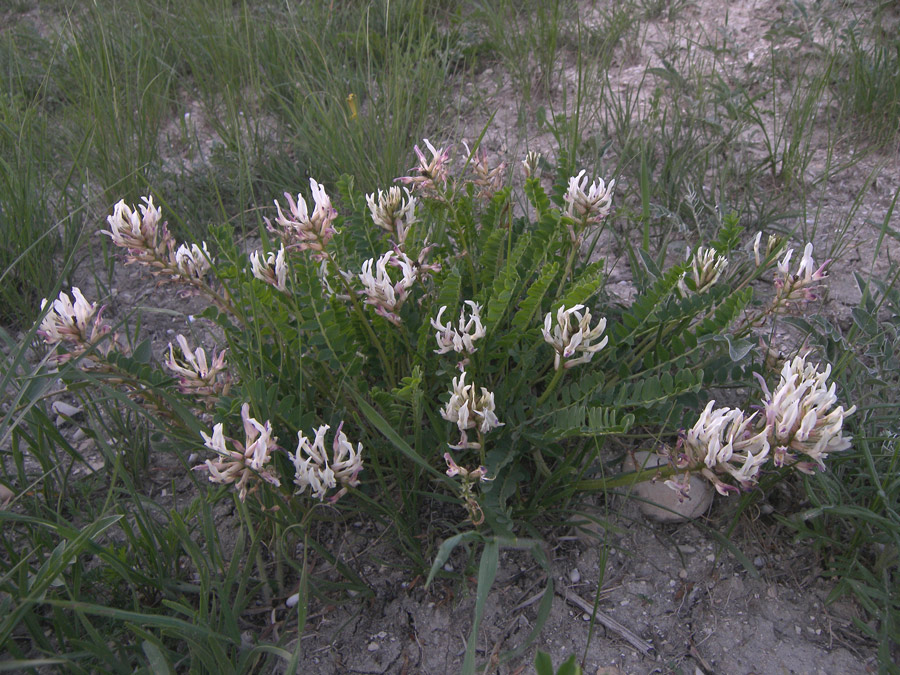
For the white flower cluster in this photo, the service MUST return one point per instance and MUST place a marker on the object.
(301, 230)
(139, 232)
(469, 411)
(77, 324)
(803, 284)
(242, 463)
(196, 375)
(801, 425)
(149, 242)
(585, 203)
(725, 440)
(272, 269)
(380, 291)
(392, 213)
(706, 268)
(314, 469)
(567, 339)
(194, 262)
(802, 418)
(463, 338)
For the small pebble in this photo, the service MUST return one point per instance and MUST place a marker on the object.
(292, 600)
(759, 562)
(448, 567)
(682, 574)
(575, 575)
(585, 617)
(373, 647)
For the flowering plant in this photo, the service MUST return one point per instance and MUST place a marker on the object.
(541, 366)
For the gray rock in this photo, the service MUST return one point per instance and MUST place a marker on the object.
(663, 504)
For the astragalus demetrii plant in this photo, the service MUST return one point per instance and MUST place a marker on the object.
(346, 327)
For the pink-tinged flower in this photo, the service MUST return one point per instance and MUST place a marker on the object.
(802, 285)
(272, 269)
(301, 230)
(802, 416)
(473, 475)
(568, 339)
(392, 213)
(430, 172)
(77, 324)
(463, 338)
(706, 268)
(488, 179)
(314, 469)
(241, 463)
(380, 291)
(469, 411)
(196, 376)
(142, 234)
(588, 204)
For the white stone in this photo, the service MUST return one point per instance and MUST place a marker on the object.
(63, 408)
(660, 502)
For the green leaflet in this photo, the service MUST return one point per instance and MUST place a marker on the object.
(590, 282)
(581, 420)
(533, 297)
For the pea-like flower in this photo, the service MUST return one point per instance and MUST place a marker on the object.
(242, 463)
(194, 262)
(567, 339)
(588, 204)
(531, 163)
(196, 376)
(77, 324)
(272, 269)
(314, 469)
(454, 469)
(800, 426)
(149, 243)
(706, 268)
(469, 411)
(301, 230)
(430, 172)
(380, 291)
(463, 338)
(392, 213)
(469, 478)
(141, 233)
(488, 179)
(803, 284)
(802, 416)
(772, 243)
(726, 441)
